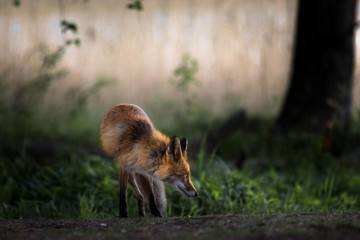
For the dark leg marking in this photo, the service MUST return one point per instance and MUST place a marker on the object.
(123, 181)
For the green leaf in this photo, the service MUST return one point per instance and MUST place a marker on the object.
(68, 26)
(77, 42)
(136, 5)
(16, 3)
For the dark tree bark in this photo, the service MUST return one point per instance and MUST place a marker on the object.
(215, 136)
(321, 81)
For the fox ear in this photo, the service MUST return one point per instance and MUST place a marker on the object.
(174, 148)
(184, 144)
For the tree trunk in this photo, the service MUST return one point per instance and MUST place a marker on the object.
(320, 89)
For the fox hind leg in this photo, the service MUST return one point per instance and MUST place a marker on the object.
(123, 181)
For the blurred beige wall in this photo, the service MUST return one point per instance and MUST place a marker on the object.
(243, 47)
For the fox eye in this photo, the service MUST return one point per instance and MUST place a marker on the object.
(186, 176)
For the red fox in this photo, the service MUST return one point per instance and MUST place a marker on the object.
(146, 158)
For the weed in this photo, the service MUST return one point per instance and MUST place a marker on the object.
(185, 74)
(87, 206)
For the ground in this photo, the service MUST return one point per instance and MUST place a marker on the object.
(303, 226)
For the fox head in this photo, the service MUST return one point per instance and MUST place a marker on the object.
(176, 170)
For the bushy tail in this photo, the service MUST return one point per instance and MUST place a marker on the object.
(122, 126)
(111, 137)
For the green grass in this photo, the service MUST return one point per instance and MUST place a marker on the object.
(278, 174)
(84, 186)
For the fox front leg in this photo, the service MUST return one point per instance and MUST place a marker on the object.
(139, 195)
(152, 201)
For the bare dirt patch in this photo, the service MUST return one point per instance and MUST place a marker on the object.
(304, 226)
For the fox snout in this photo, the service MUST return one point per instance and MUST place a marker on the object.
(187, 189)
(194, 194)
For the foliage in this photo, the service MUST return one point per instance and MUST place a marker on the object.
(183, 113)
(67, 26)
(16, 3)
(277, 174)
(24, 111)
(86, 187)
(61, 190)
(271, 191)
(136, 5)
(185, 74)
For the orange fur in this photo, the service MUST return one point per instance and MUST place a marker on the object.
(146, 155)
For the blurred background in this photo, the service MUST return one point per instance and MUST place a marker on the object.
(190, 65)
(243, 48)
